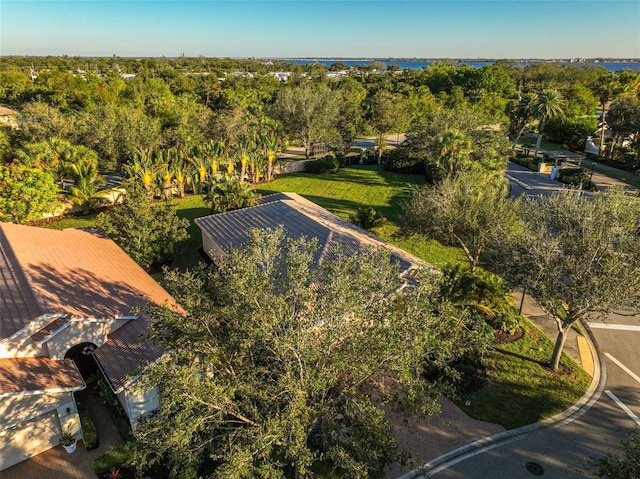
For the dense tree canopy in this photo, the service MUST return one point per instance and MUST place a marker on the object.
(281, 362)
(147, 231)
(578, 257)
(468, 209)
(26, 194)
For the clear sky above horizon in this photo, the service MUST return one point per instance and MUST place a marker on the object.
(323, 28)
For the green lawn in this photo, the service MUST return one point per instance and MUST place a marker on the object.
(544, 144)
(519, 389)
(347, 189)
(369, 185)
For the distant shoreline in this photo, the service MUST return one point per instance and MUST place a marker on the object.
(441, 59)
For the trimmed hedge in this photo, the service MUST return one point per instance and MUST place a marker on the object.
(89, 433)
(328, 164)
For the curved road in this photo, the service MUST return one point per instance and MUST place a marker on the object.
(563, 451)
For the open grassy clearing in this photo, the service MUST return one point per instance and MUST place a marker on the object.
(369, 185)
(349, 188)
(519, 388)
(530, 142)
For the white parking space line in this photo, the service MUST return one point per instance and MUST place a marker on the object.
(619, 327)
(624, 368)
(622, 406)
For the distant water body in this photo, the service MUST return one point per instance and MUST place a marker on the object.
(419, 64)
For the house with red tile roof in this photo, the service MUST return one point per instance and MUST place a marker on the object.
(62, 292)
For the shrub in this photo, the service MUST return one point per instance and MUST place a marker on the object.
(526, 162)
(400, 160)
(367, 218)
(328, 164)
(231, 193)
(89, 433)
(115, 459)
(577, 178)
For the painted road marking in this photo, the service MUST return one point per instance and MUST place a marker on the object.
(624, 368)
(620, 327)
(585, 356)
(623, 407)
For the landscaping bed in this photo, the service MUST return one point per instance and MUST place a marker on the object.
(518, 388)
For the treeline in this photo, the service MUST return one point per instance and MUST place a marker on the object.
(175, 122)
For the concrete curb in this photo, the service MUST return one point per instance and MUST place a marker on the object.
(589, 398)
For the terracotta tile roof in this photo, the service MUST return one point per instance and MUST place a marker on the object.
(69, 271)
(4, 111)
(23, 376)
(18, 303)
(49, 329)
(126, 352)
(299, 217)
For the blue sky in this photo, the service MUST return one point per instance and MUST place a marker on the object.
(319, 28)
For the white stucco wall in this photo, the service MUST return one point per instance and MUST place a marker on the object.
(138, 404)
(78, 331)
(21, 345)
(32, 424)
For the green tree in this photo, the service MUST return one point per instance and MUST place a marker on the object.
(480, 292)
(451, 149)
(307, 113)
(26, 194)
(147, 231)
(578, 257)
(467, 209)
(350, 121)
(41, 121)
(275, 366)
(84, 191)
(624, 121)
(387, 112)
(521, 115)
(606, 88)
(548, 104)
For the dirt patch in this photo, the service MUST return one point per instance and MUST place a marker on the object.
(502, 337)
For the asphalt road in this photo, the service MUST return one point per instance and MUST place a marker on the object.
(564, 450)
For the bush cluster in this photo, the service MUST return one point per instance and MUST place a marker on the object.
(89, 433)
(578, 178)
(400, 160)
(327, 164)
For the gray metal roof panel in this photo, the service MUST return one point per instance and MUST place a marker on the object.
(126, 352)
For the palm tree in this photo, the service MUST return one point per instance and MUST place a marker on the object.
(367, 218)
(53, 155)
(523, 113)
(607, 87)
(481, 292)
(141, 169)
(548, 105)
(85, 190)
(230, 193)
(452, 147)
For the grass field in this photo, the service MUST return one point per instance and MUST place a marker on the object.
(519, 388)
